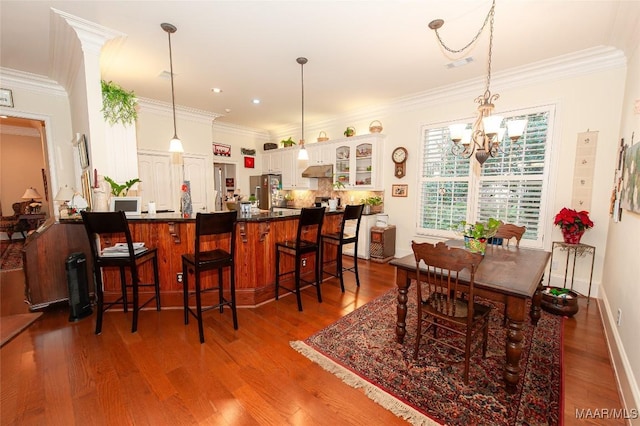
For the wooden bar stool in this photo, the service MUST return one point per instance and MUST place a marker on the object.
(221, 229)
(114, 225)
(351, 213)
(307, 241)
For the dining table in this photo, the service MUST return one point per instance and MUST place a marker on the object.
(508, 274)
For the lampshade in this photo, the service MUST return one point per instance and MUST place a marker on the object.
(31, 194)
(64, 194)
(175, 145)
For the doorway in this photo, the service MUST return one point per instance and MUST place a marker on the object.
(24, 163)
(225, 183)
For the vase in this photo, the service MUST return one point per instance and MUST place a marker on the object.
(477, 245)
(572, 237)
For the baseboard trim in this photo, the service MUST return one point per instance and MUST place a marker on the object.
(627, 385)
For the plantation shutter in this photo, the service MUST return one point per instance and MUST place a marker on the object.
(510, 187)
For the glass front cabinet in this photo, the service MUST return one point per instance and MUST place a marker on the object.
(358, 162)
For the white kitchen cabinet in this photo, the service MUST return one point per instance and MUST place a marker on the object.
(321, 153)
(155, 180)
(292, 170)
(358, 162)
(272, 161)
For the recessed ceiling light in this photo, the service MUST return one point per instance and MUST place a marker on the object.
(216, 90)
(460, 62)
(227, 110)
(256, 101)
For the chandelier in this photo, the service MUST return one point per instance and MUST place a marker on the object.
(485, 135)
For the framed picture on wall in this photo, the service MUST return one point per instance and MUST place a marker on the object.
(84, 152)
(249, 162)
(399, 190)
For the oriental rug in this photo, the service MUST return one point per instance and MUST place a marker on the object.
(361, 349)
(11, 258)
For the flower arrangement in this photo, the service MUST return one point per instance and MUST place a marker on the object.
(572, 221)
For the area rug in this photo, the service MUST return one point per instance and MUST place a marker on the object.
(361, 349)
(11, 258)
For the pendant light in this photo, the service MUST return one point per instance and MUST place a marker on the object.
(302, 153)
(176, 144)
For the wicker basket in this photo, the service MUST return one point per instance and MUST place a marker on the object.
(322, 137)
(375, 126)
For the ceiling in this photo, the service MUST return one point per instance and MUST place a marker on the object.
(361, 53)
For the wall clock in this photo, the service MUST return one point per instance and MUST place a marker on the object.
(399, 157)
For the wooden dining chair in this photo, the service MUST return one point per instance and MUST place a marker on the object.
(441, 304)
(507, 231)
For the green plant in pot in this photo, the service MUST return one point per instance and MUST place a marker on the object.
(287, 142)
(477, 234)
(371, 204)
(118, 105)
(120, 190)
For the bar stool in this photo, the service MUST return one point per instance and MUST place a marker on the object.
(108, 225)
(307, 241)
(220, 227)
(352, 212)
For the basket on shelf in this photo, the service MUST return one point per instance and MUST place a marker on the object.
(375, 126)
(322, 137)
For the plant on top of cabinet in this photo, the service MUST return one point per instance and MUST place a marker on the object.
(287, 142)
(121, 190)
(350, 132)
(118, 105)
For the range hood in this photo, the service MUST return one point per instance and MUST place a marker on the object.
(322, 171)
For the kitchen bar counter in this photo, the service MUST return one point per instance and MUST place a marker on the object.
(256, 235)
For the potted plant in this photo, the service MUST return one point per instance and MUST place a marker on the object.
(349, 132)
(572, 223)
(118, 190)
(338, 185)
(287, 142)
(371, 204)
(477, 234)
(118, 105)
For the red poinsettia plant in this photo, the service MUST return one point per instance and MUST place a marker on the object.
(573, 221)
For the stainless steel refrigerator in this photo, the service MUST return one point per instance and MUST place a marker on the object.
(270, 187)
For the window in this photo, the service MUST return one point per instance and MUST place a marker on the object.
(511, 187)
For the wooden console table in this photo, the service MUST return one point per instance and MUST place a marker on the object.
(32, 220)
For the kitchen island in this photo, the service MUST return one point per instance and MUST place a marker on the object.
(256, 235)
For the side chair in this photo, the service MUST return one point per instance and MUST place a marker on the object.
(441, 304)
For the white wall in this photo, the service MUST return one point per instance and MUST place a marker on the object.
(44, 100)
(621, 283)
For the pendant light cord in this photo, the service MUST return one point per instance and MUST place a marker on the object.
(173, 96)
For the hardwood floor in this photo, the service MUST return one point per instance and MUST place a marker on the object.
(57, 372)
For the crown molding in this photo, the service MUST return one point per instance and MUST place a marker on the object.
(243, 130)
(11, 78)
(574, 64)
(165, 109)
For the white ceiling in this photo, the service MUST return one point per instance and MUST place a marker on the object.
(361, 53)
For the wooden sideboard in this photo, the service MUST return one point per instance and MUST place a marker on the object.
(44, 255)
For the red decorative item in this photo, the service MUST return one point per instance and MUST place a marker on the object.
(573, 223)
(572, 237)
(249, 162)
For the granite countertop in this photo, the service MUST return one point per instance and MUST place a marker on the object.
(261, 216)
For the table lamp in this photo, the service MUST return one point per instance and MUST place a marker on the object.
(64, 195)
(31, 194)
